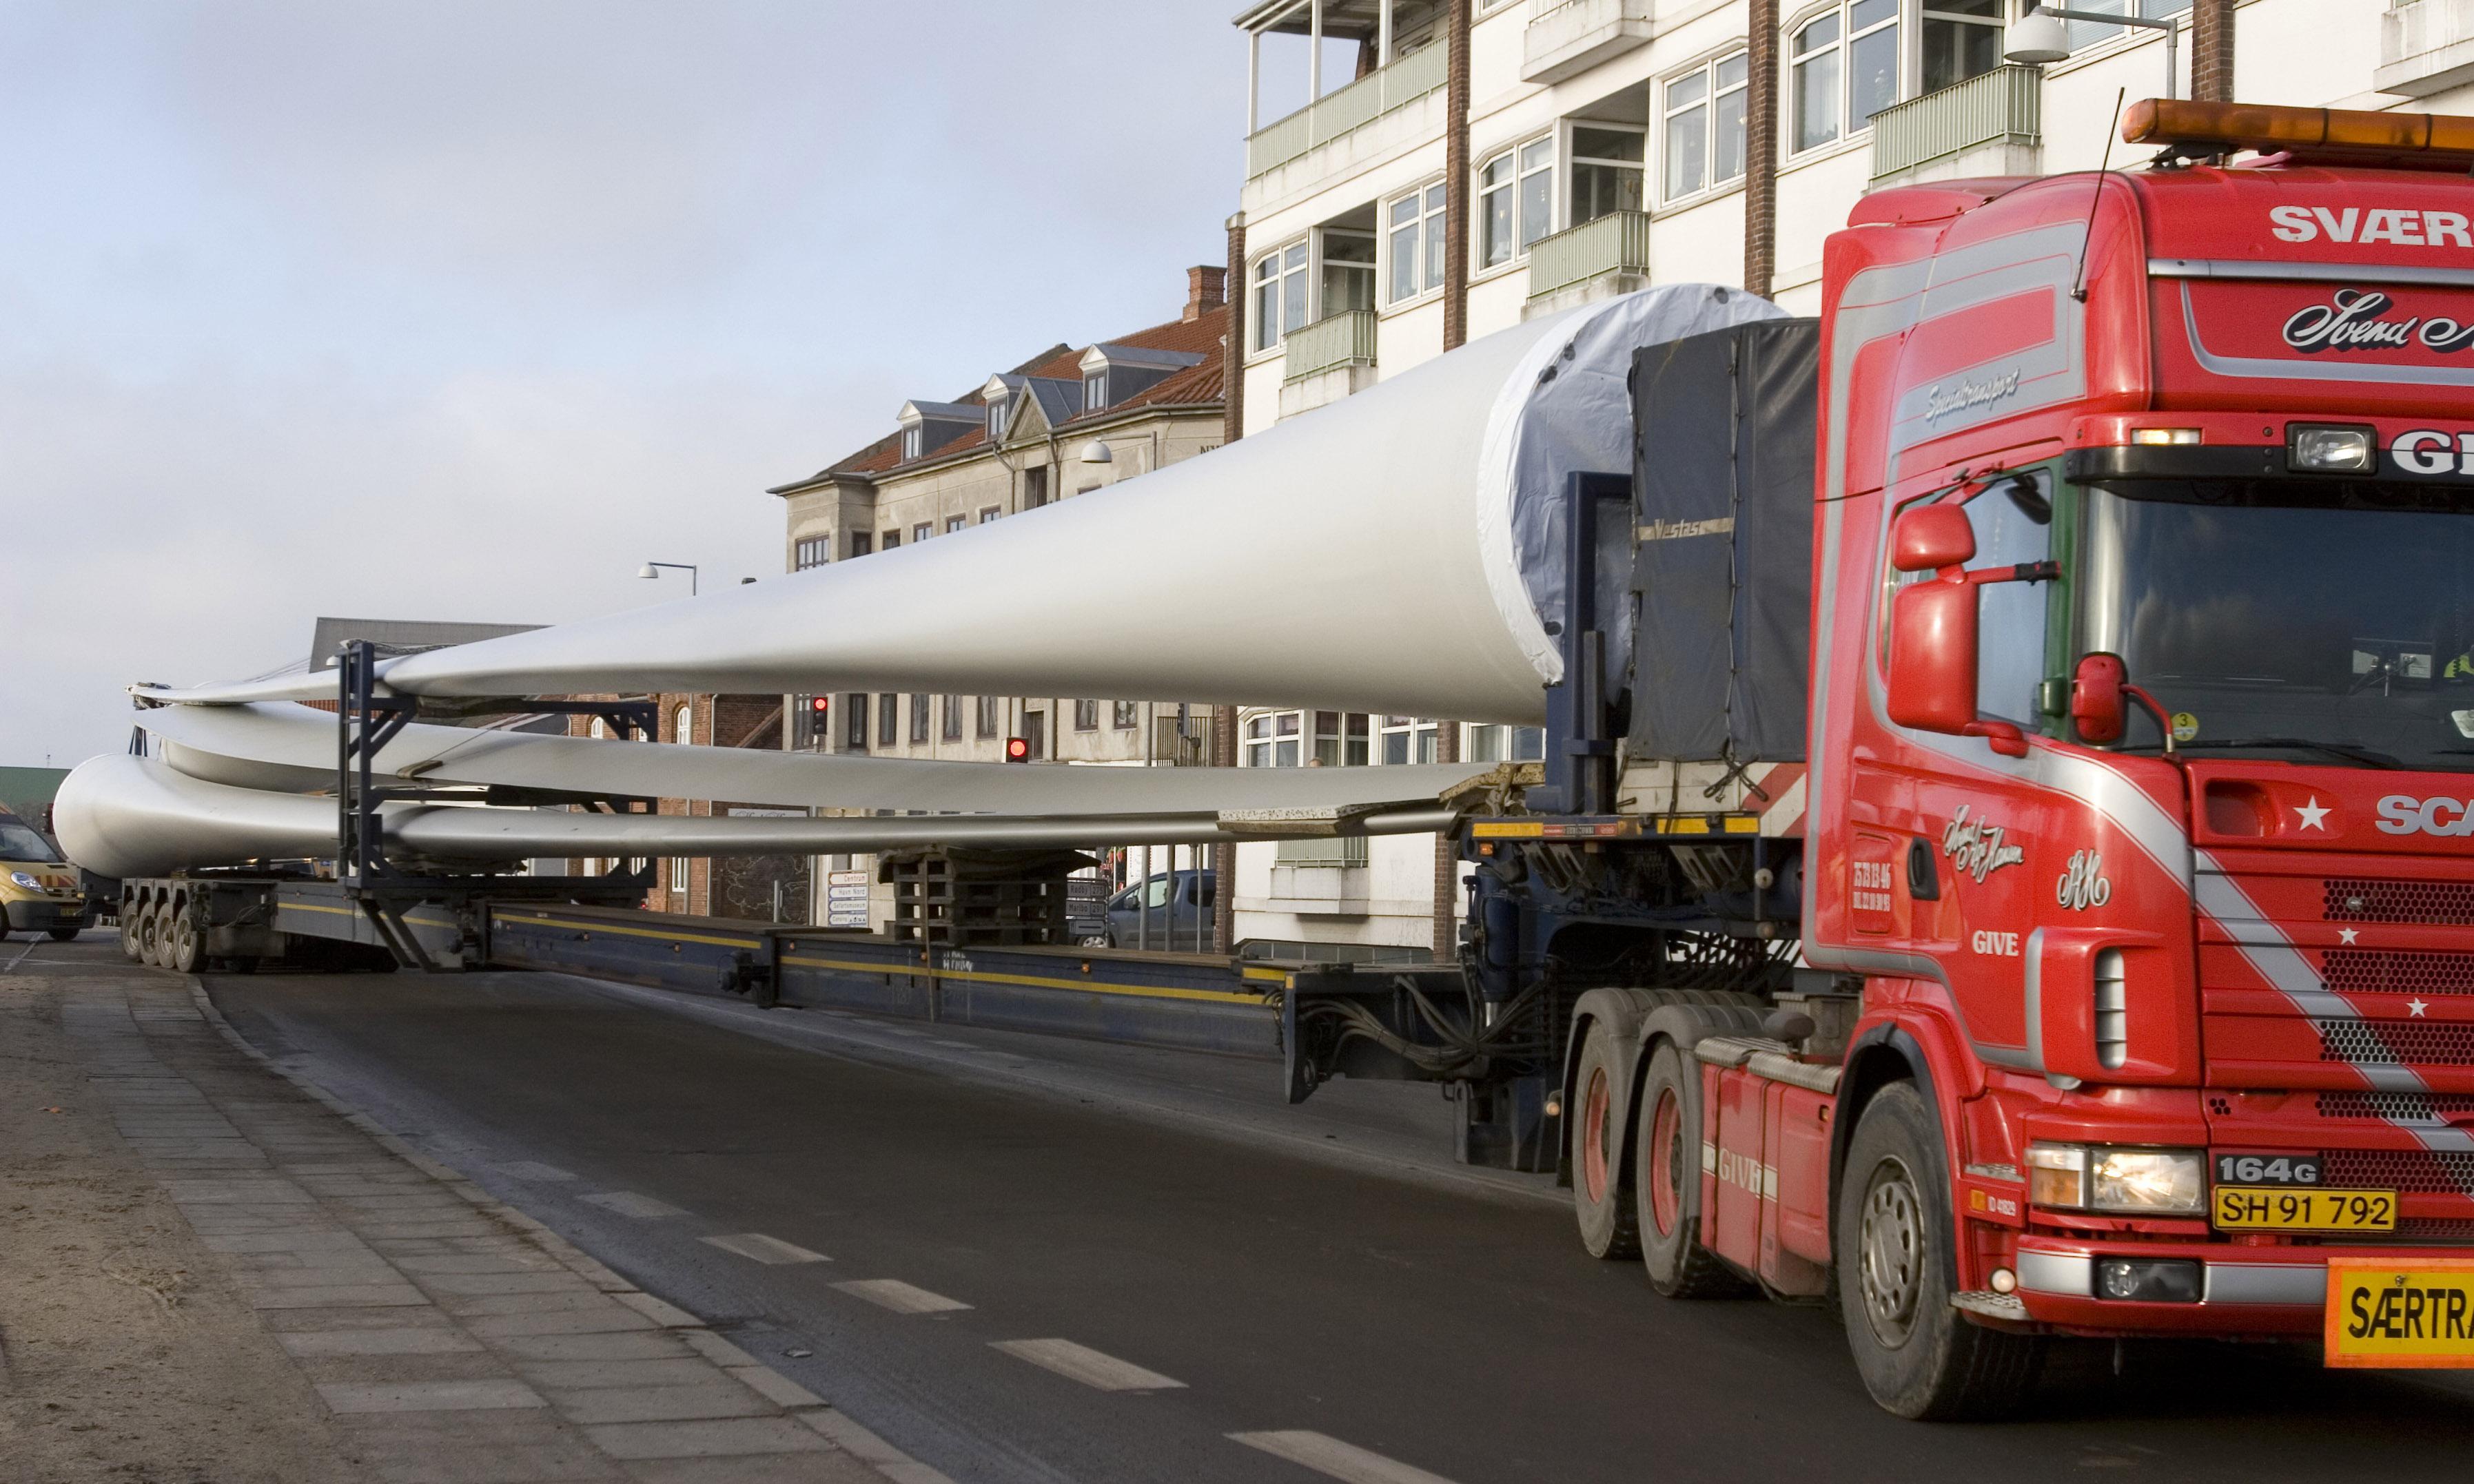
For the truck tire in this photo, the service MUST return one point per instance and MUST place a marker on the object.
(129, 916)
(186, 949)
(62, 934)
(150, 936)
(1918, 1357)
(1602, 1200)
(1666, 1183)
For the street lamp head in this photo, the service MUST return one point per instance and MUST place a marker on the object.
(2037, 37)
(1097, 452)
(646, 572)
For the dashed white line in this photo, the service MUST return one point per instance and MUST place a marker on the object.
(900, 1297)
(627, 1202)
(1083, 1363)
(20, 958)
(772, 1251)
(534, 1169)
(1329, 1456)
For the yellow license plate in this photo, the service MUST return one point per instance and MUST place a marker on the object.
(2303, 1208)
(2417, 1315)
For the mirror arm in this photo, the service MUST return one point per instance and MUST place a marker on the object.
(2021, 572)
(2149, 704)
(2003, 737)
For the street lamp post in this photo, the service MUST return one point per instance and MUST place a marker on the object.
(647, 571)
(2044, 34)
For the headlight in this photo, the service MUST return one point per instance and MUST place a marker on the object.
(25, 880)
(2322, 449)
(2124, 1182)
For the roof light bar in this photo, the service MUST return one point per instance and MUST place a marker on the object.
(2402, 141)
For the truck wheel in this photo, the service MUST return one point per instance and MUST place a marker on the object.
(129, 933)
(149, 937)
(1918, 1357)
(1601, 1198)
(186, 948)
(1666, 1183)
(62, 934)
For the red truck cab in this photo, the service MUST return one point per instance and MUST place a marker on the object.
(2141, 792)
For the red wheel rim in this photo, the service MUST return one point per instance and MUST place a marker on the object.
(1593, 1138)
(1666, 1162)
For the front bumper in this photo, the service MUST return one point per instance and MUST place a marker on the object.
(34, 915)
(2245, 1291)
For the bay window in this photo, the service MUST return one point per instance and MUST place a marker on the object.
(1417, 245)
(1606, 169)
(1281, 293)
(1705, 126)
(1515, 201)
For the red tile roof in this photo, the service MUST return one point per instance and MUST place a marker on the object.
(1195, 385)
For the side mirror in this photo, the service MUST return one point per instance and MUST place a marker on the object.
(1932, 664)
(2096, 705)
(1930, 537)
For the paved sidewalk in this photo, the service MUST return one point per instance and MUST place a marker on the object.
(452, 1338)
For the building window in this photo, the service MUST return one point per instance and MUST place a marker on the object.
(1034, 486)
(922, 531)
(813, 551)
(1086, 715)
(1406, 740)
(989, 513)
(1515, 201)
(997, 406)
(862, 543)
(1095, 391)
(988, 724)
(1416, 224)
(2090, 33)
(891, 539)
(1606, 170)
(919, 716)
(1279, 295)
(888, 720)
(949, 716)
(854, 722)
(683, 725)
(1505, 744)
(1962, 38)
(1124, 716)
(1705, 126)
(914, 441)
(678, 875)
(954, 523)
(1846, 64)
(1272, 741)
(1348, 272)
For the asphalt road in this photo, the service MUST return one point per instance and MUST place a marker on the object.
(1102, 1217)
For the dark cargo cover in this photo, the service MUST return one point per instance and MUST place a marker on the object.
(1722, 565)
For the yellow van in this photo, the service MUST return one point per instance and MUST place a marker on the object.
(38, 890)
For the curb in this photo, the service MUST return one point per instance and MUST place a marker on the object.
(835, 1426)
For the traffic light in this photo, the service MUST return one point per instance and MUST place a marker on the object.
(1017, 749)
(818, 706)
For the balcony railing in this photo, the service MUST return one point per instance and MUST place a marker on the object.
(1618, 242)
(1332, 342)
(2002, 105)
(1362, 101)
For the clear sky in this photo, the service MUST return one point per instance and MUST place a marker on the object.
(450, 310)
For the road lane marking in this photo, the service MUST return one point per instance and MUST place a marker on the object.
(772, 1251)
(19, 959)
(1330, 1456)
(627, 1202)
(900, 1297)
(534, 1169)
(1083, 1363)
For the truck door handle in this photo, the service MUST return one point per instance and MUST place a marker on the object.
(1924, 878)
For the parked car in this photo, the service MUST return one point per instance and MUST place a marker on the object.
(1171, 910)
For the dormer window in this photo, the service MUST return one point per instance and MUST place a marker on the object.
(1113, 374)
(929, 426)
(997, 408)
(914, 441)
(1095, 391)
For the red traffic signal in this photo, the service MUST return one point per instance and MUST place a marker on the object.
(819, 703)
(1017, 749)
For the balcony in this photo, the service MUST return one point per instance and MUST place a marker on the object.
(2426, 47)
(1330, 344)
(1598, 260)
(1567, 38)
(1342, 111)
(1990, 125)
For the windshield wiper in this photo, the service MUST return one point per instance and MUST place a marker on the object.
(2347, 751)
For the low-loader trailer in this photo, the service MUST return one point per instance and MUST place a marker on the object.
(2002, 868)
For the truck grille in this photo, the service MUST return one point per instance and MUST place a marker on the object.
(2360, 899)
(2425, 1171)
(2427, 1042)
(2431, 1108)
(2361, 971)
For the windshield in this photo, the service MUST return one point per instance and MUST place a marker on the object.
(18, 842)
(2262, 623)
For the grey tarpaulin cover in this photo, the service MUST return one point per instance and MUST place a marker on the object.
(1722, 574)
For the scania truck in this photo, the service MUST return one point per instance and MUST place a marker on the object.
(2005, 861)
